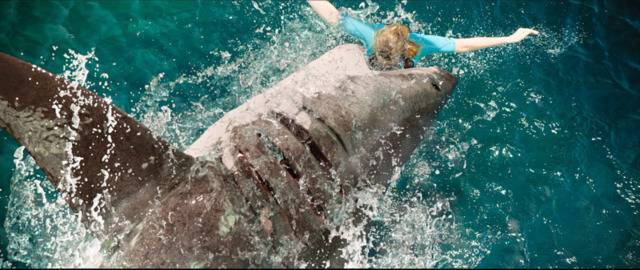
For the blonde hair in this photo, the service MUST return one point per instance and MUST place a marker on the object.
(392, 43)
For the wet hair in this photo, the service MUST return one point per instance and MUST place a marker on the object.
(392, 47)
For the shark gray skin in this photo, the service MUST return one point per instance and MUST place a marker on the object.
(262, 187)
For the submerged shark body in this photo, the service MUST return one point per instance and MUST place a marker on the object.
(263, 186)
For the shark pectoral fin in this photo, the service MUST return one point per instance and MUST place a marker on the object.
(93, 152)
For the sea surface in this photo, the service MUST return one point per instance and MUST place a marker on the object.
(534, 161)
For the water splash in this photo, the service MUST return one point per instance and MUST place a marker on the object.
(43, 231)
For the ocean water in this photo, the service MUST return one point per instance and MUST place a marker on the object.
(534, 161)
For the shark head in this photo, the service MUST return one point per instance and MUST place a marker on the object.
(308, 141)
(380, 118)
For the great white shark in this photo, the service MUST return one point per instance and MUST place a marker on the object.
(262, 187)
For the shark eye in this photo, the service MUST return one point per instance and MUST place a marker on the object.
(436, 85)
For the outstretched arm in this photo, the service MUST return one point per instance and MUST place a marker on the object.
(472, 44)
(326, 10)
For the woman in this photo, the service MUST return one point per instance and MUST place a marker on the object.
(391, 46)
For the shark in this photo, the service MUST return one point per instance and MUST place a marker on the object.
(264, 186)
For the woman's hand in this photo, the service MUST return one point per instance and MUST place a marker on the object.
(521, 34)
(326, 10)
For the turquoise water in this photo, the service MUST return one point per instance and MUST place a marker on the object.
(534, 162)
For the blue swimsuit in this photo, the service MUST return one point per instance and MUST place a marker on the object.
(366, 32)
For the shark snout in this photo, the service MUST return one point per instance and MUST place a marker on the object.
(424, 90)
